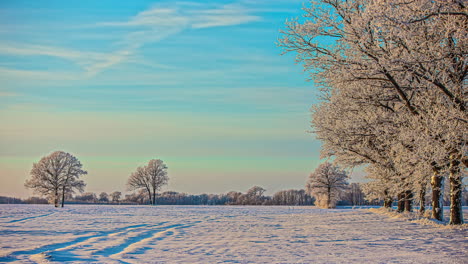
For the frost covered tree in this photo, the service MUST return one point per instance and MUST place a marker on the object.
(103, 197)
(87, 197)
(149, 178)
(57, 174)
(255, 195)
(291, 197)
(115, 196)
(403, 65)
(326, 184)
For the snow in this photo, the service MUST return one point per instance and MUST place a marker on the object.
(220, 234)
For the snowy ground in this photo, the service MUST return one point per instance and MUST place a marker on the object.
(216, 234)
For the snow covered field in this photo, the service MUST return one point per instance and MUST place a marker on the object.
(215, 234)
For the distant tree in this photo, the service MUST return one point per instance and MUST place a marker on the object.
(87, 197)
(131, 198)
(255, 195)
(353, 195)
(56, 174)
(35, 200)
(326, 184)
(291, 197)
(233, 197)
(10, 200)
(150, 178)
(115, 196)
(103, 197)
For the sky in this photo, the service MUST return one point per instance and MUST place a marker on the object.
(201, 85)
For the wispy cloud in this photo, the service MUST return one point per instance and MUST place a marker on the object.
(188, 15)
(161, 21)
(149, 26)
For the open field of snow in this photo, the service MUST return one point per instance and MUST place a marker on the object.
(215, 234)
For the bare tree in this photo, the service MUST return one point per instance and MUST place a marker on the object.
(103, 197)
(56, 174)
(115, 196)
(291, 197)
(150, 178)
(326, 184)
(255, 195)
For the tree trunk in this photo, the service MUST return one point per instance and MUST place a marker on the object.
(456, 213)
(328, 198)
(154, 197)
(422, 200)
(408, 201)
(388, 202)
(401, 202)
(63, 196)
(437, 186)
(56, 198)
(149, 195)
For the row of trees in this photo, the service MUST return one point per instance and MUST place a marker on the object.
(103, 197)
(353, 195)
(254, 196)
(393, 77)
(29, 200)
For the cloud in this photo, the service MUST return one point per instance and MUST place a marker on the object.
(161, 21)
(148, 26)
(187, 15)
(227, 15)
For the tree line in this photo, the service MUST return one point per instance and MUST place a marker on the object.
(57, 177)
(393, 82)
(352, 196)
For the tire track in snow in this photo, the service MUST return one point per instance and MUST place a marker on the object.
(135, 243)
(13, 255)
(63, 245)
(95, 243)
(28, 218)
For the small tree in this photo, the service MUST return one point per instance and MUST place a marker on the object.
(87, 197)
(115, 196)
(326, 184)
(103, 197)
(150, 178)
(56, 174)
(255, 195)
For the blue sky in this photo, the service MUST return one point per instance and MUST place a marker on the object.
(199, 84)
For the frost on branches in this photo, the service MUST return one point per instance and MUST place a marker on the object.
(57, 175)
(326, 184)
(149, 178)
(393, 76)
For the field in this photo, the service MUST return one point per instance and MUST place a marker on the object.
(215, 234)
